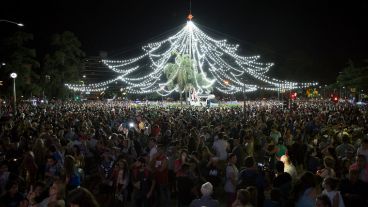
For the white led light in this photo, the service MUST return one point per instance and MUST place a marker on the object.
(216, 61)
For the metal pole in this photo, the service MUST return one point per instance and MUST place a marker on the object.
(244, 104)
(15, 97)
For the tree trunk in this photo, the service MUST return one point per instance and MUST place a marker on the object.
(181, 100)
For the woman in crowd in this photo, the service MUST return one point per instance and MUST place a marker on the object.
(81, 197)
(71, 174)
(231, 179)
(56, 194)
(242, 199)
(120, 176)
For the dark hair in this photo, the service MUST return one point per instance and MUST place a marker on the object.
(141, 160)
(185, 167)
(280, 141)
(82, 197)
(249, 162)
(69, 165)
(10, 184)
(280, 166)
(361, 156)
(365, 140)
(275, 194)
(243, 196)
(345, 138)
(308, 180)
(231, 155)
(324, 199)
(332, 182)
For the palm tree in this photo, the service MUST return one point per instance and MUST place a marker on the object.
(180, 74)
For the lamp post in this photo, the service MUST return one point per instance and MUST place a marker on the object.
(8, 21)
(14, 76)
(244, 106)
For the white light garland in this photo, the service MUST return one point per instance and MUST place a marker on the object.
(215, 60)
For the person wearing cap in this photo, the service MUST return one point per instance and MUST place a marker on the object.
(206, 199)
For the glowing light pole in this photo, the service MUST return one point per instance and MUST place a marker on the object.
(14, 76)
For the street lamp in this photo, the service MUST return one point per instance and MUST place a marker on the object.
(14, 76)
(8, 21)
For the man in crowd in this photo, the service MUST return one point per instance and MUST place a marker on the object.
(206, 199)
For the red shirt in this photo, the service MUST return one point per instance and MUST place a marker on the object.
(162, 177)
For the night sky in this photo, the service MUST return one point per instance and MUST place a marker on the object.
(307, 40)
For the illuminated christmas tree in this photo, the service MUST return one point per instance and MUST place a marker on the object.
(214, 64)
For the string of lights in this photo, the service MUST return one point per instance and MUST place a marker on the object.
(217, 61)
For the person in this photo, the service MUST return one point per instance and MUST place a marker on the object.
(4, 176)
(120, 177)
(307, 190)
(248, 176)
(81, 197)
(206, 199)
(231, 179)
(289, 167)
(29, 168)
(242, 199)
(152, 145)
(72, 176)
(105, 171)
(274, 199)
(56, 193)
(353, 190)
(345, 149)
(143, 183)
(239, 150)
(52, 170)
(161, 172)
(275, 134)
(282, 181)
(280, 149)
(330, 189)
(328, 170)
(323, 201)
(186, 186)
(180, 161)
(362, 166)
(12, 197)
(363, 149)
(220, 146)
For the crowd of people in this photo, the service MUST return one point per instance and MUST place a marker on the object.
(90, 154)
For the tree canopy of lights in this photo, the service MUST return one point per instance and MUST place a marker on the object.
(217, 62)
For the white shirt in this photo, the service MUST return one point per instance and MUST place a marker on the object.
(220, 146)
(361, 151)
(331, 196)
(291, 170)
(231, 170)
(152, 152)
